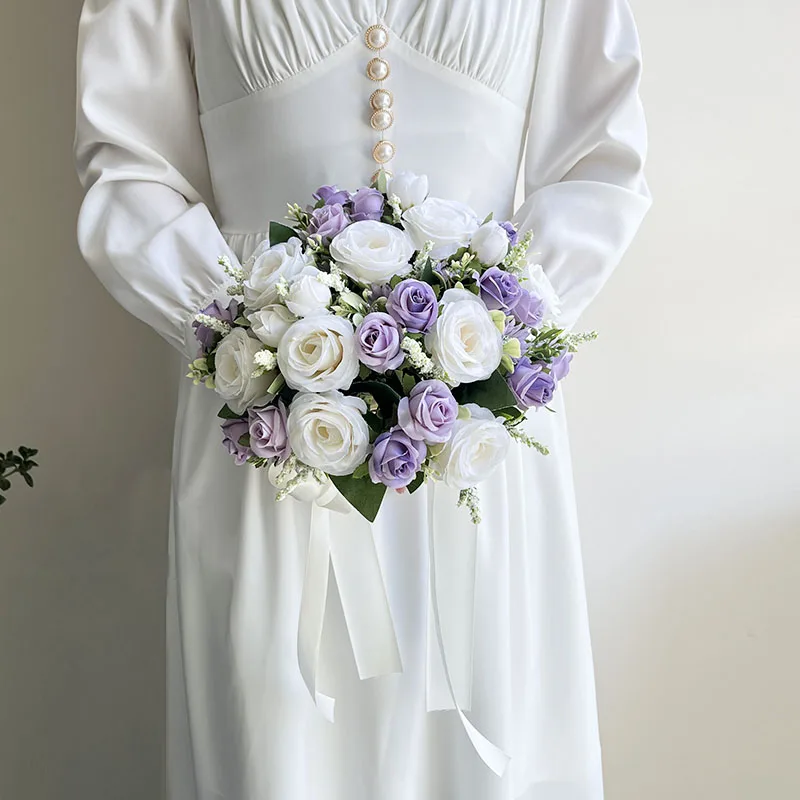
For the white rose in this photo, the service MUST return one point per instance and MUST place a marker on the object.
(328, 431)
(477, 446)
(540, 285)
(319, 353)
(307, 295)
(372, 252)
(267, 266)
(448, 224)
(411, 189)
(464, 341)
(271, 323)
(490, 243)
(235, 364)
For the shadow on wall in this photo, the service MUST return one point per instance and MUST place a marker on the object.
(696, 696)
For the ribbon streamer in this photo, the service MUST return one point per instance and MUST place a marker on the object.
(351, 551)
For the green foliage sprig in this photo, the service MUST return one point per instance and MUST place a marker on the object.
(19, 463)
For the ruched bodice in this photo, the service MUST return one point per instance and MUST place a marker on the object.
(244, 46)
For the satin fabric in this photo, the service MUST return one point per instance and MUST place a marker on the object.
(197, 121)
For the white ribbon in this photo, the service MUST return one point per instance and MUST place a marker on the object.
(351, 551)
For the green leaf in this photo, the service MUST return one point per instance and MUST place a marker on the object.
(27, 478)
(364, 495)
(279, 233)
(492, 393)
(374, 421)
(386, 397)
(409, 382)
(489, 218)
(362, 471)
(417, 482)
(2, 499)
(5, 484)
(426, 273)
(226, 413)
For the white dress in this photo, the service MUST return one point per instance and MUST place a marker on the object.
(198, 120)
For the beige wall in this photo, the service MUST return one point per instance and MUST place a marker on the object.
(684, 424)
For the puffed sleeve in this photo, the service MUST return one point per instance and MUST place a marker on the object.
(145, 227)
(584, 185)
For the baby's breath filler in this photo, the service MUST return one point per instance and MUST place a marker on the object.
(516, 433)
(421, 361)
(217, 325)
(236, 274)
(470, 499)
(517, 258)
(292, 474)
(266, 361)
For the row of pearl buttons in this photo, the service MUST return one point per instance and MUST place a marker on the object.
(381, 101)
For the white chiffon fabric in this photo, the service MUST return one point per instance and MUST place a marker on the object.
(197, 121)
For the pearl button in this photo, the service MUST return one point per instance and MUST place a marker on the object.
(383, 152)
(376, 37)
(381, 120)
(378, 69)
(381, 100)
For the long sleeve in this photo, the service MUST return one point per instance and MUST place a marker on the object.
(144, 227)
(585, 191)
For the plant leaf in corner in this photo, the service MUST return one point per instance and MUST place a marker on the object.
(492, 393)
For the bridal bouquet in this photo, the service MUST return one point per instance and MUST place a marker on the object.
(383, 339)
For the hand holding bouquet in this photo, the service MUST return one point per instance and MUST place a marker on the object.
(384, 339)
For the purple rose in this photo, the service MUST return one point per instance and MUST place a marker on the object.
(500, 290)
(331, 195)
(396, 459)
(268, 433)
(378, 340)
(232, 432)
(530, 309)
(328, 221)
(413, 304)
(513, 233)
(207, 336)
(429, 413)
(367, 204)
(532, 386)
(559, 369)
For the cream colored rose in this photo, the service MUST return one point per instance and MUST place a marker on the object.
(476, 448)
(410, 189)
(328, 431)
(372, 252)
(464, 341)
(490, 243)
(308, 295)
(537, 281)
(318, 354)
(235, 364)
(267, 266)
(271, 323)
(447, 223)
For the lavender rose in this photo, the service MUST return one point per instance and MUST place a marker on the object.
(268, 434)
(396, 459)
(232, 431)
(331, 195)
(559, 369)
(328, 221)
(413, 304)
(513, 233)
(429, 413)
(530, 310)
(367, 204)
(500, 290)
(378, 340)
(206, 336)
(532, 386)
